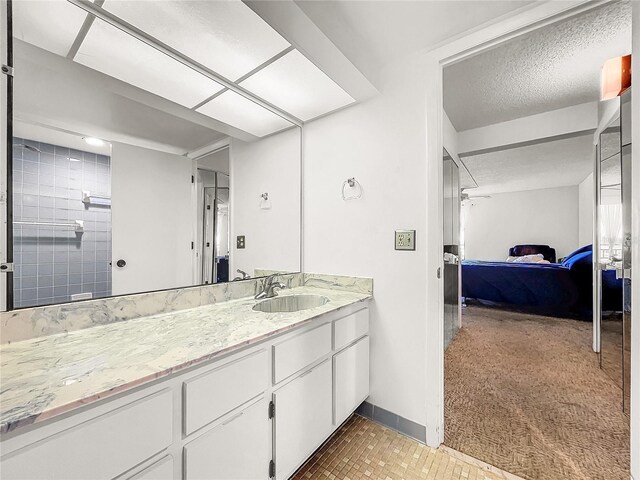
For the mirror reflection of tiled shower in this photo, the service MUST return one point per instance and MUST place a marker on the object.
(61, 224)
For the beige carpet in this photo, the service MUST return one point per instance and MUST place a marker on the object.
(524, 393)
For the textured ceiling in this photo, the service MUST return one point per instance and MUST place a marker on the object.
(557, 163)
(374, 33)
(553, 67)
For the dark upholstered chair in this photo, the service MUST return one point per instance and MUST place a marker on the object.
(520, 250)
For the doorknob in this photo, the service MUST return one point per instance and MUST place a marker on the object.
(121, 263)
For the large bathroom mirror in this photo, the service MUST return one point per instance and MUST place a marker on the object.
(142, 160)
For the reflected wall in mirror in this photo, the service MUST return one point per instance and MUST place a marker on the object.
(178, 176)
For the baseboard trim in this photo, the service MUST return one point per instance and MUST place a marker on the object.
(393, 421)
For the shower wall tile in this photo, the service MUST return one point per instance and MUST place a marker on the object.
(53, 263)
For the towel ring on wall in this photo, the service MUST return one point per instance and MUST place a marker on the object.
(351, 189)
(265, 203)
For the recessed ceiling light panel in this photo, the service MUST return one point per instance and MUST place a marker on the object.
(237, 111)
(118, 54)
(226, 36)
(96, 142)
(297, 86)
(51, 25)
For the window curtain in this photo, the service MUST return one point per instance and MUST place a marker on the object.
(611, 229)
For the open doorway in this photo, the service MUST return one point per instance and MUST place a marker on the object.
(213, 221)
(524, 388)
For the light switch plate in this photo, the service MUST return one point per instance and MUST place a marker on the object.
(240, 241)
(405, 239)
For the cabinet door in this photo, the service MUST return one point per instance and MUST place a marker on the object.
(303, 418)
(237, 449)
(351, 377)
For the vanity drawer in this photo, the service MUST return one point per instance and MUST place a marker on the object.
(210, 395)
(160, 470)
(350, 328)
(101, 448)
(294, 354)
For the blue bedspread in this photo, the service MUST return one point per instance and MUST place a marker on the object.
(546, 288)
(556, 289)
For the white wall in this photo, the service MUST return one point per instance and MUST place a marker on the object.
(382, 144)
(548, 216)
(271, 165)
(585, 211)
(151, 218)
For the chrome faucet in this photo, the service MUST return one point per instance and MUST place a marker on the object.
(269, 287)
(245, 275)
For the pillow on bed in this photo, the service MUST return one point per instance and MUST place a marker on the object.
(586, 248)
(583, 258)
(537, 258)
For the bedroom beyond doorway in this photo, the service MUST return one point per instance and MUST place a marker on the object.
(536, 286)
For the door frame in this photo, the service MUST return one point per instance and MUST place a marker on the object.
(6, 134)
(503, 29)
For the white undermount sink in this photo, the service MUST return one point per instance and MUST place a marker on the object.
(290, 303)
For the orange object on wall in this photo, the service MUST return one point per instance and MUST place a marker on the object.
(616, 77)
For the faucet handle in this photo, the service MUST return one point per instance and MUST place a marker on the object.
(269, 280)
(271, 292)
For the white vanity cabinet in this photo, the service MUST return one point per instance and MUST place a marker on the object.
(160, 470)
(302, 418)
(237, 449)
(350, 379)
(101, 447)
(216, 392)
(255, 414)
(350, 364)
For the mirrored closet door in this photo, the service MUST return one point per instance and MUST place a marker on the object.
(451, 240)
(612, 252)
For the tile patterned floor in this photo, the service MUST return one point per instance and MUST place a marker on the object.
(364, 450)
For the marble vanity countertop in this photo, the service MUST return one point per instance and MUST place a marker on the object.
(47, 376)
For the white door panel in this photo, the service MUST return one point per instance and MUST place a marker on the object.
(151, 219)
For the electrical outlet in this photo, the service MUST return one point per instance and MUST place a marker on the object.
(240, 241)
(405, 239)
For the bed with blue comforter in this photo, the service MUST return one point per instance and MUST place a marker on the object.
(556, 289)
